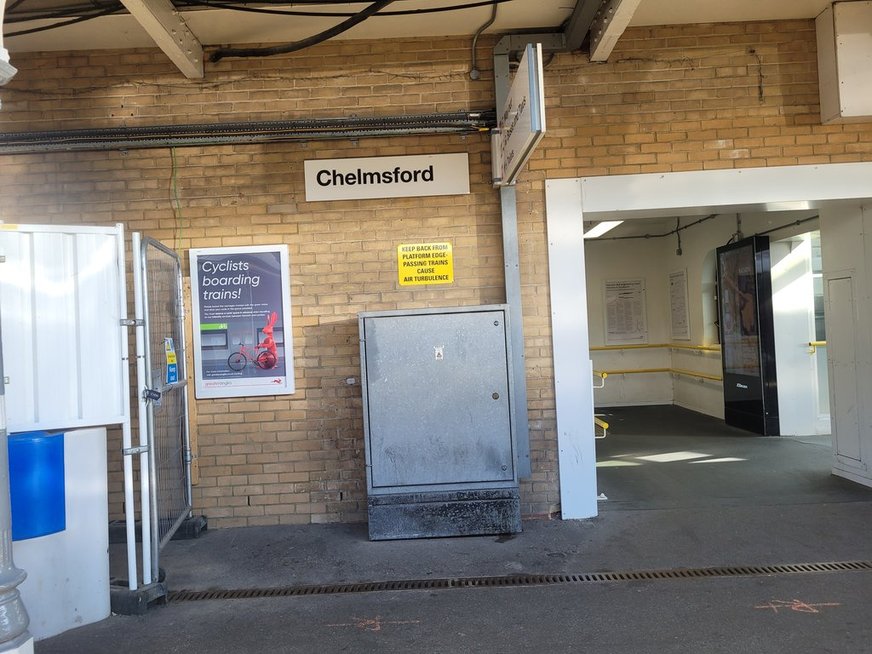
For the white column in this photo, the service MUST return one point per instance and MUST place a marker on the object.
(573, 381)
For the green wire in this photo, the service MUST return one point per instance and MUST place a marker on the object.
(175, 203)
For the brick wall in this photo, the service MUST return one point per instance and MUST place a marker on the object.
(672, 98)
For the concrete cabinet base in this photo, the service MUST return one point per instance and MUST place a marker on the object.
(459, 513)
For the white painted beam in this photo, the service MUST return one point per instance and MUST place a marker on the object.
(166, 26)
(609, 23)
(777, 188)
(7, 71)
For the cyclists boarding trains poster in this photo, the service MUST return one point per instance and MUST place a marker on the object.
(241, 307)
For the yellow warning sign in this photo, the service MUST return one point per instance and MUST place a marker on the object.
(425, 263)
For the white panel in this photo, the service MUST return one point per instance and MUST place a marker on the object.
(573, 384)
(16, 312)
(828, 75)
(844, 39)
(60, 303)
(97, 291)
(842, 353)
(56, 323)
(67, 584)
(793, 314)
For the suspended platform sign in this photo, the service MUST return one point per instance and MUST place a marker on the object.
(521, 122)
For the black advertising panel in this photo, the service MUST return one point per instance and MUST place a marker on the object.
(747, 336)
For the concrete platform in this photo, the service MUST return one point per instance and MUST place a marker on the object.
(776, 504)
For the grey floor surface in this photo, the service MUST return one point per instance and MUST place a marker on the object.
(683, 492)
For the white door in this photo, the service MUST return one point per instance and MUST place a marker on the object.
(841, 347)
(793, 314)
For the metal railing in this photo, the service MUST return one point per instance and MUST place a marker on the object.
(602, 374)
(602, 424)
(654, 346)
(674, 371)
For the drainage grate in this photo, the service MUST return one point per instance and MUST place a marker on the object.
(519, 580)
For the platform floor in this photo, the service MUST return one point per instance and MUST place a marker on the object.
(720, 517)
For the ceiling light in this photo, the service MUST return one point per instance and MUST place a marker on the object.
(601, 228)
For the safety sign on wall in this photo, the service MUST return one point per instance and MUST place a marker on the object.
(242, 321)
(419, 264)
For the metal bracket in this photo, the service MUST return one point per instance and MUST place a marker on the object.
(131, 322)
(130, 451)
(551, 42)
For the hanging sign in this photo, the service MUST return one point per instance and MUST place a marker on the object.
(419, 264)
(242, 321)
(521, 121)
(387, 177)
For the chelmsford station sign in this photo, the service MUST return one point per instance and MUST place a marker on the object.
(387, 177)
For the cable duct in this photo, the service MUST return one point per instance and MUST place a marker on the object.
(129, 138)
(344, 26)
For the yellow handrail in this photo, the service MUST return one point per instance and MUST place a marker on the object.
(698, 375)
(602, 424)
(651, 346)
(637, 371)
(601, 348)
(699, 348)
(674, 371)
(814, 345)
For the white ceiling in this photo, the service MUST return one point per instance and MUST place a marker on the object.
(223, 27)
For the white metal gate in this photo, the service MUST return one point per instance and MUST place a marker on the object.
(162, 392)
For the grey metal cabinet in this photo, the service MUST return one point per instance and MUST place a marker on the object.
(438, 422)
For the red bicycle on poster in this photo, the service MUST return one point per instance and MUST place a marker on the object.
(265, 360)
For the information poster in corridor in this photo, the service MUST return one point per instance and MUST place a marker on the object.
(241, 307)
(626, 318)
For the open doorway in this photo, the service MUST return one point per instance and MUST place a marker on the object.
(841, 193)
(655, 345)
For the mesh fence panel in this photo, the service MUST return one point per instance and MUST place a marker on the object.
(165, 320)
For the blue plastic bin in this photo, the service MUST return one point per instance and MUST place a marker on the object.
(36, 484)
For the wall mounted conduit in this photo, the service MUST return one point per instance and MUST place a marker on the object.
(129, 138)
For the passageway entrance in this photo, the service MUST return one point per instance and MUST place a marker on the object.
(839, 194)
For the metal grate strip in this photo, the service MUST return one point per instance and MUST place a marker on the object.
(520, 580)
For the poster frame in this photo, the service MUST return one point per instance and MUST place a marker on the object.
(278, 384)
(612, 290)
(678, 330)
